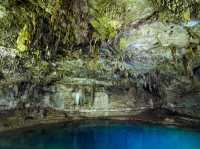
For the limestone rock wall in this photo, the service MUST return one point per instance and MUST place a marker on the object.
(111, 55)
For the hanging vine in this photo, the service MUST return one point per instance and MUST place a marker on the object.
(48, 26)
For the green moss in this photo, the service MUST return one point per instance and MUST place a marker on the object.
(176, 10)
(123, 43)
(106, 27)
(51, 26)
(186, 15)
(3, 12)
(23, 39)
(107, 17)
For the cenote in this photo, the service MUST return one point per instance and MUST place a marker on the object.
(91, 61)
(102, 135)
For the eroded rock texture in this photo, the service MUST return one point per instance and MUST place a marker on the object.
(112, 57)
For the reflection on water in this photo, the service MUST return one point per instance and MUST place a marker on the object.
(102, 135)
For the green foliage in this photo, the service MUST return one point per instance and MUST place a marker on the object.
(176, 10)
(22, 40)
(123, 43)
(2, 11)
(8, 28)
(50, 25)
(106, 27)
(110, 8)
(107, 16)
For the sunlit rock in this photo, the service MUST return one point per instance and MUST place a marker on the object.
(150, 45)
(101, 101)
(78, 97)
(138, 9)
(7, 52)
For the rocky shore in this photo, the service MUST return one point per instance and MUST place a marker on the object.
(14, 120)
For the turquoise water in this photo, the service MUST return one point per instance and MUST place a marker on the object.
(101, 135)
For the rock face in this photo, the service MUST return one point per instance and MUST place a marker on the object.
(101, 101)
(61, 97)
(152, 64)
(149, 45)
(138, 9)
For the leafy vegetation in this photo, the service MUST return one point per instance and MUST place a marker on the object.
(44, 31)
(49, 26)
(107, 16)
(176, 10)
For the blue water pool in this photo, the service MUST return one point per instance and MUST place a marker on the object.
(101, 135)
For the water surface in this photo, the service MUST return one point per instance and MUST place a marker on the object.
(101, 135)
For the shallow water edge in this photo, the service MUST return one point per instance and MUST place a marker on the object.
(150, 117)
